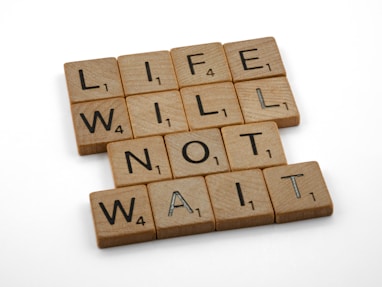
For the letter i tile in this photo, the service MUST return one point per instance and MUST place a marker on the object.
(181, 207)
(298, 191)
(240, 199)
(122, 216)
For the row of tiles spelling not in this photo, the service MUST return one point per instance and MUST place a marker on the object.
(170, 70)
(215, 202)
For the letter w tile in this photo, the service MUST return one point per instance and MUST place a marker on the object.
(97, 115)
(118, 204)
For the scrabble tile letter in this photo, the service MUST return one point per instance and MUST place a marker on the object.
(268, 99)
(200, 64)
(253, 146)
(211, 106)
(122, 216)
(93, 80)
(240, 199)
(147, 73)
(196, 153)
(99, 122)
(139, 161)
(254, 59)
(181, 207)
(298, 191)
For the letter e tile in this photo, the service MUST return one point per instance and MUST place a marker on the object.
(181, 207)
(298, 192)
(240, 199)
(254, 59)
(122, 216)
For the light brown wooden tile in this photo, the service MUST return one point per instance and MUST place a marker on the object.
(268, 99)
(240, 199)
(196, 153)
(211, 106)
(122, 216)
(298, 191)
(200, 64)
(98, 123)
(256, 145)
(156, 113)
(147, 72)
(254, 59)
(139, 161)
(181, 207)
(93, 80)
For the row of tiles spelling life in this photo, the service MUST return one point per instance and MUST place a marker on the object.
(187, 88)
(219, 201)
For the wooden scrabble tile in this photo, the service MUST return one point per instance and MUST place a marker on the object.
(254, 59)
(98, 123)
(212, 105)
(196, 153)
(122, 216)
(139, 161)
(147, 72)
(268, 99)
(93, 80)
(200, 64)
(240, 199)
(298, 191)
(156, 113)
(181, 207)
(256, 145)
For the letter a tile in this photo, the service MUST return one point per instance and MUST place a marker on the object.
(298, 191)
(122, 216)
(240, 199)
(181, 207)
(139, 161)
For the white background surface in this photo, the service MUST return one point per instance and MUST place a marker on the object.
(332, 54)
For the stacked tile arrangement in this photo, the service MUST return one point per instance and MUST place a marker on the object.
(192, 136)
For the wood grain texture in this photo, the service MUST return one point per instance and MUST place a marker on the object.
(200, 64)
(98, 123)
(239, 199)
(122, 216)
(181, 207)
(91, 80)
(254, 59)
(211, 106)
(268, 99)
(298, 192)
(156, 114)
(139, 161)
(147, 72)
(256, 145)
(196, 153)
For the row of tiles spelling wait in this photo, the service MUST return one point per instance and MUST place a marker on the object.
(215, 202)
(170, 70)
(97, 123)
(185, 154)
